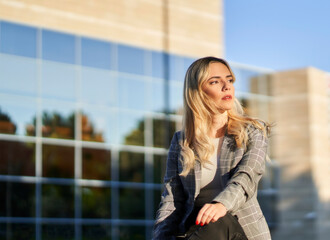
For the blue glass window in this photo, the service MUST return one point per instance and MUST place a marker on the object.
(18, 75)
(95, 53)
(243, 78)
(58, 80)
(58, 47)
(98, 86)
(131, 59)
(18, 39)
(158, 64)
(131, 93)
(176, 68)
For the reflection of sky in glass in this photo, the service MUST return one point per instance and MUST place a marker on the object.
(131, 93)
(98, 87)
(96, 53)
(157, 64)
(157, 101)
(243, 77)
(58, 80)
(176, 71)
(127, 123)
(21, 113)
(176, 93)
(23, 81)
(18, 39)
(102, 122)
(58, 46)
(131, 59)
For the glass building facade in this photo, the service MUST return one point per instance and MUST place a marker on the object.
(84, 129)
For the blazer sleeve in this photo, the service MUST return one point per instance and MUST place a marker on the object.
(170, 211)
(244, 182)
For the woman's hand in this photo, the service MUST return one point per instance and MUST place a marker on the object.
(210, 212)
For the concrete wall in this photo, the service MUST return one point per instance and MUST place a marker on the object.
(301, 147)
(188, 27)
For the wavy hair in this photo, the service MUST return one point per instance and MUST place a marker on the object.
(198, 110)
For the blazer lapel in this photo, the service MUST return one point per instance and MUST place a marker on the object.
(198, 175)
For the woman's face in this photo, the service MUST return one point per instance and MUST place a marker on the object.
(219, 86)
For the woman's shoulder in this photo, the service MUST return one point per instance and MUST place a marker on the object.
(257, 128)
(176, 139)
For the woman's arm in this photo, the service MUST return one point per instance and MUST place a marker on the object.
(244, 182)
(169, 213)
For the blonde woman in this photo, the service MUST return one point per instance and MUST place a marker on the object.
(214, 164)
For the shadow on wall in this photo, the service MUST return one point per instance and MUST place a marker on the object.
(297, 209)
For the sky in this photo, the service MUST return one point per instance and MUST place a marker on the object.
(278, 34)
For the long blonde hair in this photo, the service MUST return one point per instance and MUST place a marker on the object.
(198, 110)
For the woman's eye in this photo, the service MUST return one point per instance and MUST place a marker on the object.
(231, 80)
(213, 82)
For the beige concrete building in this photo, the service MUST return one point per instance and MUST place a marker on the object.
(178, 27)
(300, 145)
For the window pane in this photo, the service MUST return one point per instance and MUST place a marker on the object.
(58, 81)
(159, 168)
(18, 116)
(243, 79)
(99, 232)
(131, 59)
(58, 121)
(96, 202)
(98, 87)
(96, 53)
(17, 158)
(96, 164)
(176, 97)
(22, 82)
(57, 161)
(58, 47)
(18, 39)
(176, 68)
(132, 93)
(57, 201)
(158, 100)
(126, 208)
(58, 231)
(131, 129)
(17, 231)
(17, 199)
(131, 167)
(158, 64)
(132, 232)
(98, 125)
(163, 130)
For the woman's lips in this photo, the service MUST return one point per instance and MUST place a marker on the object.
(227, 97)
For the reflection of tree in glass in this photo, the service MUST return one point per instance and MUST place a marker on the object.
(136, 136)
(57, 126)
(17, 158)
(6, 124)
(131, 167)
(54, 125)
(57, 201)
(132, 203)
(132, 232)
(163, 130)
(96, 202)
(17, 199)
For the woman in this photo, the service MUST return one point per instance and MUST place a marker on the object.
(214, 164)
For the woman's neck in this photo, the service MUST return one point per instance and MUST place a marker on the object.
(219, 125)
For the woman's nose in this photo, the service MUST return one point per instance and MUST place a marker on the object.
(226, 86)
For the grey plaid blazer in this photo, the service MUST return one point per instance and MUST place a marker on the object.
(241, 170)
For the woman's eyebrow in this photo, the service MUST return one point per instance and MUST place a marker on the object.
(218, 77)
